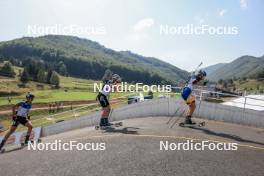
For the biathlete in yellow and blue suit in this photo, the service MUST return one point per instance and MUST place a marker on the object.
(188, 96)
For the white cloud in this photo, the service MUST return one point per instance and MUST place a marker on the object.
(143, 24)
(243, 4)
(140, 31)
(201, 19)
(222, 12)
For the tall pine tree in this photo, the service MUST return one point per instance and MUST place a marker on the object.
(25, 76)
(55, 79)
(7, 70)
(41, 77)
(61, 68)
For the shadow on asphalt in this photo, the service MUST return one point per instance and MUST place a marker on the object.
(225, 135)
(126, 130)
(12, 150)
(261, 131)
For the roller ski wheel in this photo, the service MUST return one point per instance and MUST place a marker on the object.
(201, 124)
(2, 150)
(118, 124)
(31, 141)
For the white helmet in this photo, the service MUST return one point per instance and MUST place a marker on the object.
(107, 75)
(116, 78)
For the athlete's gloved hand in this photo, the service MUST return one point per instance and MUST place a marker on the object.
(205, 82)
(14, 117)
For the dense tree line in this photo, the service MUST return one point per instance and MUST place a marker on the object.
(34, 71)
(259, 74)
(86, 59)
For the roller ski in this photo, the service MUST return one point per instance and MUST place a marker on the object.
(21, 146)
(189, 123)
(110, 126)
(104, 124)
(25, 144)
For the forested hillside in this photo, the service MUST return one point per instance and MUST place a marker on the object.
(243, 67)
(83, 58)
(212, 68)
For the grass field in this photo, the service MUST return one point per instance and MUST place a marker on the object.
(251, 85)
(71, 89)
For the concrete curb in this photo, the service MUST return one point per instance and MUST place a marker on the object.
(164, 107)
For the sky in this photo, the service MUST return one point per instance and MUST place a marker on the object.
(156, 28)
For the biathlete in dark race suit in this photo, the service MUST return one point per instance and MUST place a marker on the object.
(103, 97)
(189, 97)
(20, 116)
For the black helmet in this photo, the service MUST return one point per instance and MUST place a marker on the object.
(30, 95)
(202, 73)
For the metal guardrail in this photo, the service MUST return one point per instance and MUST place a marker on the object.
(74, 112)
(203, 94)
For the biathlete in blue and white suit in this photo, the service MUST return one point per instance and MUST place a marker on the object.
(20, 116)
(188, 96)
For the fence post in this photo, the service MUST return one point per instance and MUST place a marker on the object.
(168, 106)
(244, 109)
(200, 98)
(201, 94)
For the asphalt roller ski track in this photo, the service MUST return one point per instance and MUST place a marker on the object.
(134, 149)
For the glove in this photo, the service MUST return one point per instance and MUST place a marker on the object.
(14, 117)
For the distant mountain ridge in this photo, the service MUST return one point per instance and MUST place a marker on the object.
(88, 59)
(245, 66)
(212, 68)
